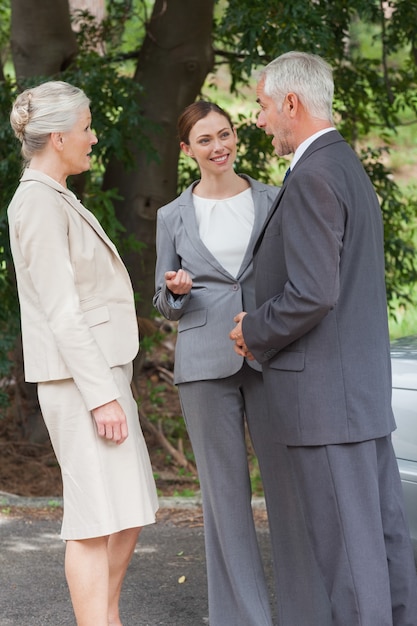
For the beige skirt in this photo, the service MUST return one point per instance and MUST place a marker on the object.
(106, 487)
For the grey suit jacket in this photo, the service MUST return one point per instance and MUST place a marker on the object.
(321, 329)
(203, 349)
(76, 299)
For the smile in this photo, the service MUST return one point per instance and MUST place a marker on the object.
(221, 159)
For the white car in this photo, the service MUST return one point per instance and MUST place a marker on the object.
(404, 404)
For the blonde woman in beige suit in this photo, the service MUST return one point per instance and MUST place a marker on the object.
(80, 336)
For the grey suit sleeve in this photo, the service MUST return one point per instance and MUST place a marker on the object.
(170, 306)
(306, 234)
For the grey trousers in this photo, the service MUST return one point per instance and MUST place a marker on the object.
(353, 505)
(215, 413)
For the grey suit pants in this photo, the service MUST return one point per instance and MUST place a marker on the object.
(214, 412)
(353, 505)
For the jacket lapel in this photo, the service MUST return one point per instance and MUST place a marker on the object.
(262, 208)
(187, 211)
(35, 175)
(268, 219)
(91, 219)
(321, 142)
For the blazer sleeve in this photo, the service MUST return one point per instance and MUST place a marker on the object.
(170, 306)
(42, 238)
(306, 232)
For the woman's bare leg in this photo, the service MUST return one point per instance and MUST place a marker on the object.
(120, 548)
(95, 570)
(87, 572)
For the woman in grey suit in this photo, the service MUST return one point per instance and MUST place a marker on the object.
(80, 336)
(205, 239)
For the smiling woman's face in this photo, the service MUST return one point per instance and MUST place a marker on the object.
(212, 143)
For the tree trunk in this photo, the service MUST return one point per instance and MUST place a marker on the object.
(42, 41)
(95, 7)
(173, 63)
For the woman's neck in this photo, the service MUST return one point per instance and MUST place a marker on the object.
(219, 187)
(43, 163)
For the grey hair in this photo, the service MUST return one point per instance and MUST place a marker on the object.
(308, 76)
(51, 107)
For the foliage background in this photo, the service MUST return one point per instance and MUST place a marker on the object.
(372, 45)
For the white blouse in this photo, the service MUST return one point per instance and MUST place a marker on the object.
(225, 227)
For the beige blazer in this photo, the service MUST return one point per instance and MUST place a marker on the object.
(77, 309)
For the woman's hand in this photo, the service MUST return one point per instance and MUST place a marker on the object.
(178, 282)
(111, 422)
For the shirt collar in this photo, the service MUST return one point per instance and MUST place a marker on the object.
(306, 143)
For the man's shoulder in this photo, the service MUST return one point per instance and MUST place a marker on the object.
(331, 140)
(329, 149)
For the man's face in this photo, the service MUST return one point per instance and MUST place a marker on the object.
(273, 120)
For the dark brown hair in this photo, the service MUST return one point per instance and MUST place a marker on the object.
(194, 113)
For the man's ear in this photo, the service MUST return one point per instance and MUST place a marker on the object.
(292, 102)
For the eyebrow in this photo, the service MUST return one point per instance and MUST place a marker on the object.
(210, 134)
